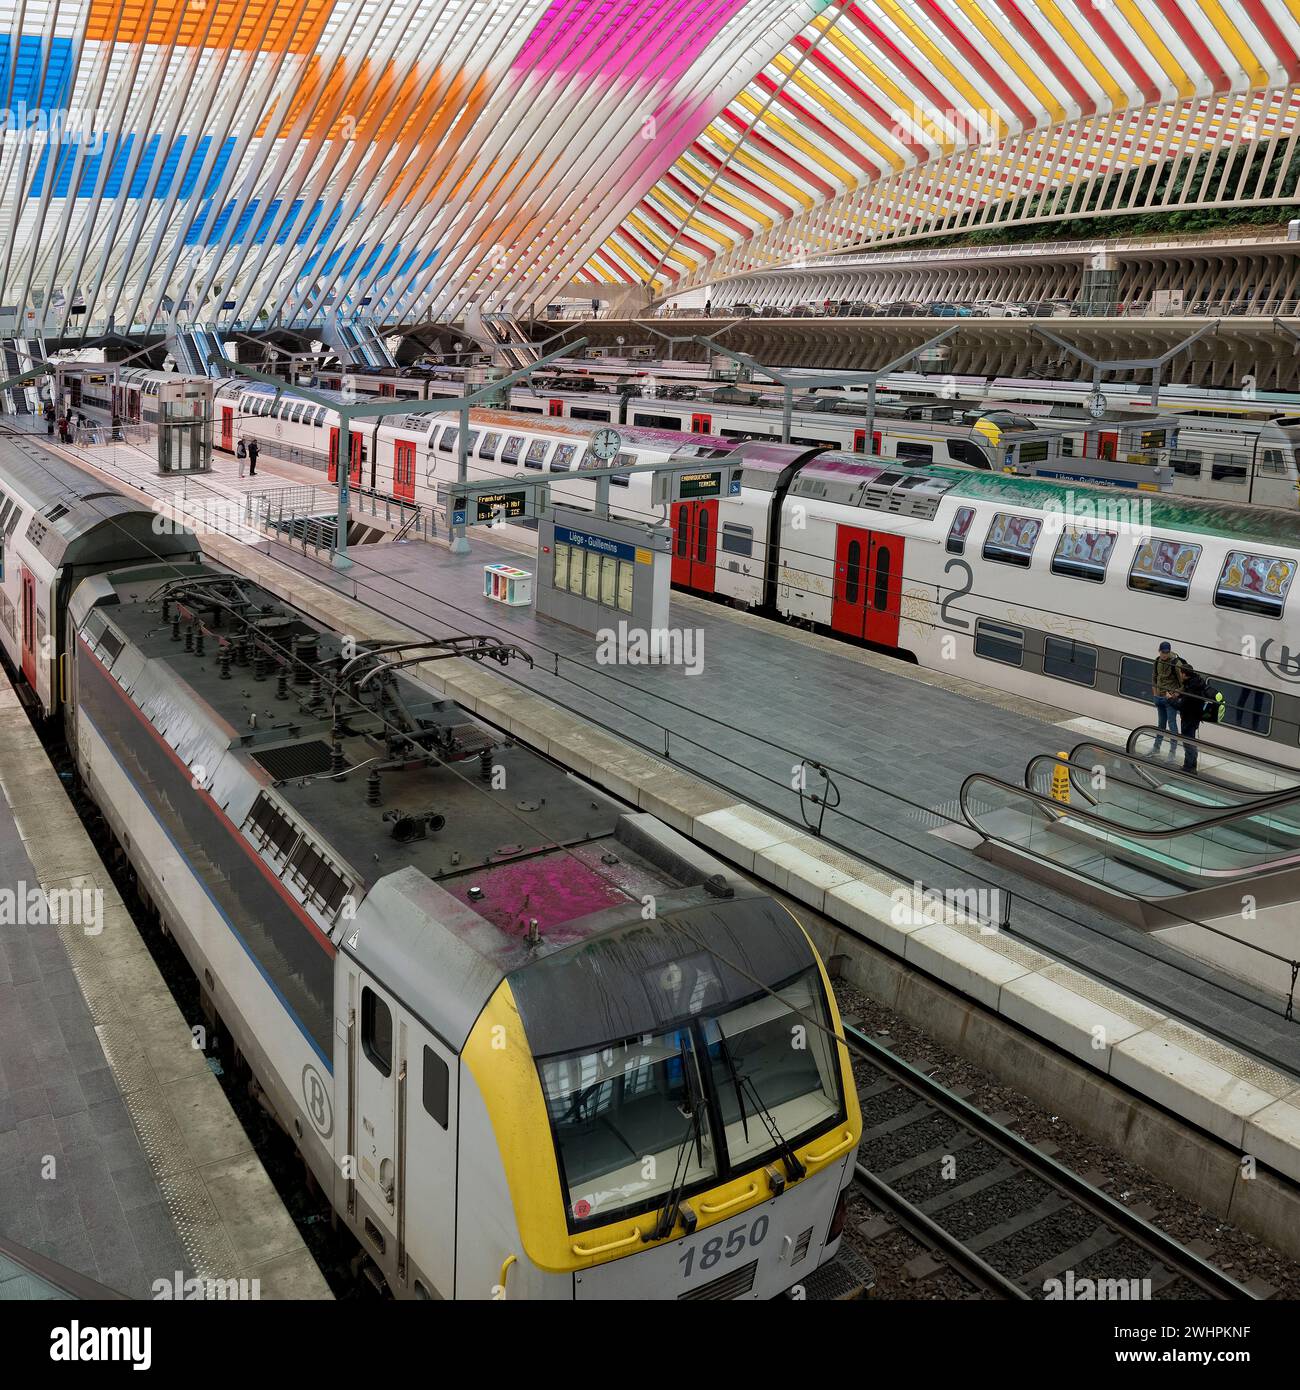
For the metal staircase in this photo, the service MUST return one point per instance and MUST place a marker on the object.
(194, 345)
(21, 355)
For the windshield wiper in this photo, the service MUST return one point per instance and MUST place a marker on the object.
(730, 1060)
(794, 1170)
(672, 1207)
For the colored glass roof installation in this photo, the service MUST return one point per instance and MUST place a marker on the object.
(234, 161)
(992, 101)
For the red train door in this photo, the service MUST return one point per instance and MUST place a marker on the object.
(860, 441)
(868, 584)
(681, 566)
(29, 627)
(695, 544)
(1107, 444)
(555, 408)
(701, 424)
(387, 388)
(884, 588)
(227, 428)
(404, 469)
(334, 454)
(356, 457)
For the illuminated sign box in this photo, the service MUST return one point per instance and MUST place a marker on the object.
(702, 485)
(488, 506)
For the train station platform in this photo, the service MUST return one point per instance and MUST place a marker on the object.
(716, 754)
(121, 1159)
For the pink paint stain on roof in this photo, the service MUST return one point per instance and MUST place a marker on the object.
(587, 36)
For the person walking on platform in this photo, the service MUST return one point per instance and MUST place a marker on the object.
(65, 433)
(252, 458)
(1167, 686)
(49, 418)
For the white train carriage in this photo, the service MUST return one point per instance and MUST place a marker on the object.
(59, 525)
(1058, 594)
(1125, 452)
(415, 458)
(105, 394)
(1232, 450)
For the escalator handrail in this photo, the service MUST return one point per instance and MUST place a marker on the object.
(1161, 765)
(1249, 804)
(1062, 811)
(1231, 813)
(1132, 757)
(1069, 761)
(1267, 764)
(1250, 798)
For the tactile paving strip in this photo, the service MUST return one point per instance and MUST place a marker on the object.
(1098, 993)
(1246, 1069)
(1007, 947)
(198, 1226)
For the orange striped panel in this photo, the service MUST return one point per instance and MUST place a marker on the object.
(320, 92)
(273, 26)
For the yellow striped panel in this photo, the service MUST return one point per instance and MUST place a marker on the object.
(792, 137)
(1156, 46)
(1118, 97)
(737, 154)
(1235, 39)
(842, 113)
(955, 75)
(1049, 100)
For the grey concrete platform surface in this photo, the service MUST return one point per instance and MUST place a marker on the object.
(120, 1157)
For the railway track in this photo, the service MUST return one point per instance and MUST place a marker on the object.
(998, 1211)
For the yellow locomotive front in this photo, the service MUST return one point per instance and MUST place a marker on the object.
(673, 1111)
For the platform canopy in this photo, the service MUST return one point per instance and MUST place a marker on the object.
(230, 162)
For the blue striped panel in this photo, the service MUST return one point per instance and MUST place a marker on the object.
(24, 72)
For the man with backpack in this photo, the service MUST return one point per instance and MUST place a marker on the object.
(1167, 685)
(1198, 703)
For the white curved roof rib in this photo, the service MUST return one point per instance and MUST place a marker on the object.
(244, 160)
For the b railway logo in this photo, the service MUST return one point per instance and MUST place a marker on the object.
(1286, 666)
(316, 1098)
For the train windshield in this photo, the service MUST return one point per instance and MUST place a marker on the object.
(630, 1123)
(691, 1107)
(774, 1069)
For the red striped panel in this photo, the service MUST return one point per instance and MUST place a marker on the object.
(799, 169)
(716, 214)
(837, 142)
(1011, 102)
(648, 209)
(1045, 51)
(1119, 49)
(764, 195)
(1174, 12)
(1274, 37)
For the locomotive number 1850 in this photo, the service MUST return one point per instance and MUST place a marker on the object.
(716, 1248)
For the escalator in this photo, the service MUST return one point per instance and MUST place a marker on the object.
(1128, 828)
